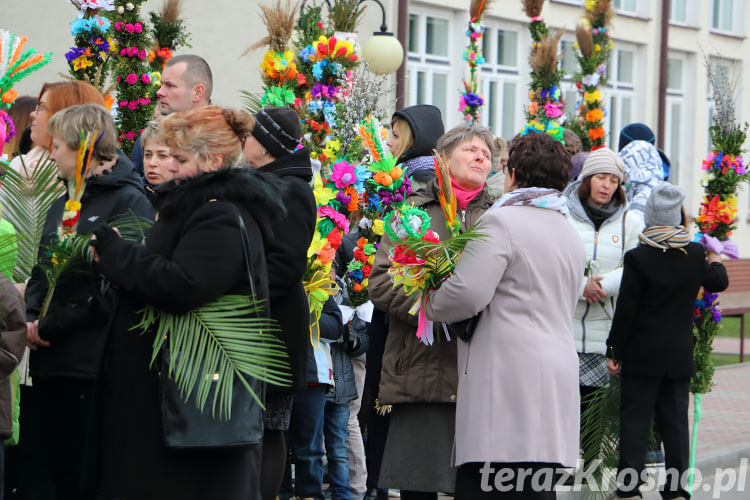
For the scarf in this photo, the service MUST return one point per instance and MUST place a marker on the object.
(551, 199)
(463, 195)
(418, 164)
(598, 215)
(665, 237)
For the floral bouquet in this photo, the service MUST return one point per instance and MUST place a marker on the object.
(420, 262)
(89, 59)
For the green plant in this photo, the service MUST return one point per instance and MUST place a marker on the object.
(250, 102)
(345, 15)
(27, 196)
(217, 343)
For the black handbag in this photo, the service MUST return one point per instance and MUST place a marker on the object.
(465, 329)
(184, 426)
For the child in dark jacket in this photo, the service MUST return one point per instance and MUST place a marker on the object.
(308, 409)
(650, 344)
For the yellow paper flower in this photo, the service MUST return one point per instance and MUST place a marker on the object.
(316, 244)
(323, 195)
(371, 259)
(81, 62)
(592, 97)
(332, 148)
(378, 227)
(72, 205)
(597, 47)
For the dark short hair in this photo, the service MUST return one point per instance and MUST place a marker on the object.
(584, 191)
(538, 160)
(197, 71)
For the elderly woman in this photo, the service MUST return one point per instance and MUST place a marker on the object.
(418, 381)
(599, 212)
(193, 255)
(67, 342)
(518, 393)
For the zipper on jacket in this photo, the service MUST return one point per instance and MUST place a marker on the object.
(583, 318)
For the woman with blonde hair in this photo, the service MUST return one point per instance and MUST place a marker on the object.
(196, 252)
(67, 340)
(414, 134)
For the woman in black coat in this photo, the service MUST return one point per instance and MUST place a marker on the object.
(67, 341)
(274, 148)
(193, 255)
(650, 344)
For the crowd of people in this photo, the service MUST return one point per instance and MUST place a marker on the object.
(585, 271)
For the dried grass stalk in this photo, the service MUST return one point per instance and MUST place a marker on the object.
(545, 55)
(279, 21)
(477, 7)
(602, 10)
(585, 41)
(532, 8)
(171, 10)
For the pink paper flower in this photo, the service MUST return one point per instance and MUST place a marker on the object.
(145, 78)
(338, 218)
(132, 79)
(118, 25)
(129, 28)
(144, 101)
(142, 54)
(132, 105)
(130, 136)
(553, 110)
(343, 174)
(123, 104)
(119, 78)
(138, 27)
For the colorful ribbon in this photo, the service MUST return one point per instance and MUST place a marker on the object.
(318, 289)
(714, 245)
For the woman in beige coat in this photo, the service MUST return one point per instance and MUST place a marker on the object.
(518, 374)
(419, 381)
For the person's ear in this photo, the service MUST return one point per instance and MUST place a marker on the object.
(198, 92)
(216, 161)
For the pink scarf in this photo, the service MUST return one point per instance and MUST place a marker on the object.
(463, 195)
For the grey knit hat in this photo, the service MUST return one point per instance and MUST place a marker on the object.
(603, 161)
(664, 206)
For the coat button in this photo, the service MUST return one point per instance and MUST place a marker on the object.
(453, 397)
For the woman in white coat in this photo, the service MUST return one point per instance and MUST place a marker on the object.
(598, 210)
(517, 401)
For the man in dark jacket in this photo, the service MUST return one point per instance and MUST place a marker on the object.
(650, 343)
(67, 342)
(273, 147)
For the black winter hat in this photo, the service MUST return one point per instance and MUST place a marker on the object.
(278, 130)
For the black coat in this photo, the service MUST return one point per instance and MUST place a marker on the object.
(193, 255)
(287, 260)
(81, 309)
(652, 330)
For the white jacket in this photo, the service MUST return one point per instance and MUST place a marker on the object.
(604, 255)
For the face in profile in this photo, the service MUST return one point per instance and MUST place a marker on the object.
(186, 164)
(254, 153)
(174, 94)
(470, 163)
(39, 118)
(65, 157)
(156, 162)
(394, 141)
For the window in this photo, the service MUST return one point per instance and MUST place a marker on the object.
(620, 92)
(436, 37)
(678, 11)
(674, 75)
(500, 84)
(625, 5)
(721, 15)
(568, 61)
(507, 48)
(413, 33)
(430, 53)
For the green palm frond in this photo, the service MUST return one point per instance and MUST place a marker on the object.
(27, 196)
(8, 250)
(600, 428)
(441, 257)
(212, 345)
(250, 101)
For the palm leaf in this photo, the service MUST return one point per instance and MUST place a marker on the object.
(600, 436)
(8, 248)
(250, 101)
(215, 344)
(26, 197)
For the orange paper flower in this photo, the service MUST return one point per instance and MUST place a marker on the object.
(595, 115)
(596, 133)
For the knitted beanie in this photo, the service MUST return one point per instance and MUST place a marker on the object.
(664, 206)
(278, 130)
(635, 132)
(603, 161)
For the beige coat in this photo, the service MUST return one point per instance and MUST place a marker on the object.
(518, 395)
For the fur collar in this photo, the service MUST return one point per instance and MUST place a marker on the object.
(255, 191)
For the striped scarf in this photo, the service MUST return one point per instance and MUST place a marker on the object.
(665, 237)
